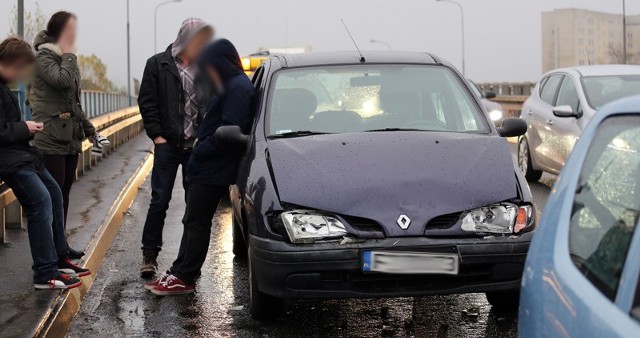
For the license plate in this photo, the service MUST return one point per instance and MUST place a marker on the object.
(405, 262)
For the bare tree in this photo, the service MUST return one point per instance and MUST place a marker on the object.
(616, 55)
(34, 22)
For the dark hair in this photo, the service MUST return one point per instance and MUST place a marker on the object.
(57, 22)
(15, 50)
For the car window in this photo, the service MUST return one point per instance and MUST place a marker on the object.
(607, 203)
(357, 98)
(568, 95)
(635, 308)
(549, 89)
(601, 90)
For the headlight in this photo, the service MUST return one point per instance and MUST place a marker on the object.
(495, 115)
(307, 226)
(504, 218)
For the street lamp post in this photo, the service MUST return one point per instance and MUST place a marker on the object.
(624, 31)
(155, 23)
(128, 56)
(381, 42)
(462, 27)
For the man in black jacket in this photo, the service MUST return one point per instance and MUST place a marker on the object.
(22, 169)
(212, 167)
(173, 98)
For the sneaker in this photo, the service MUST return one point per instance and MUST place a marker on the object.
(173, 285)
(67, 267)
(156, 282)
(149, 266)
(61, 282)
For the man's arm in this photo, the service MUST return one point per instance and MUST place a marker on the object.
(12, 132)
(148, 100)
(236, 111)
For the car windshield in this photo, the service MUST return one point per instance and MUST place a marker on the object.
(359, 98)
(601, 90)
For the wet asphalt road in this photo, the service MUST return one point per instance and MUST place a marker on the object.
(118, 306)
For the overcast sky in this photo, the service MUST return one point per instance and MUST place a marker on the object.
(503, 36)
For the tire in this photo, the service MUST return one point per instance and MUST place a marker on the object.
(504, 300)
(262, 306)
(524, 162)
(239, 243)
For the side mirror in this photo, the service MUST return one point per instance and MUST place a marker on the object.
(231, 135)
(513, 127)
(564, 111)
(490, 95)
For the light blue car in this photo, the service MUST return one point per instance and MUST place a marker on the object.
(582, 272)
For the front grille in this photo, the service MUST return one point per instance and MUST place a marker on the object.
(444, 221)
(364, 227)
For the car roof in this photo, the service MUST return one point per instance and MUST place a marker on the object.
(352, 57)
(601, 70)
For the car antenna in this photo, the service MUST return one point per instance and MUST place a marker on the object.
(354, 41)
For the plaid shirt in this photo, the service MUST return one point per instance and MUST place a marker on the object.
(187, 75)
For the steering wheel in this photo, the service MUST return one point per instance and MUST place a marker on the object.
(426, 125)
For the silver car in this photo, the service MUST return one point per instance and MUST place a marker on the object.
(560, 107)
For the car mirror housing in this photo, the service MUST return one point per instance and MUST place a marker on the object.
(490, 95)
(564, 111)
(513, 127)
(231, 135)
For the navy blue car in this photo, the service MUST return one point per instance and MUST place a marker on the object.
(373, 177)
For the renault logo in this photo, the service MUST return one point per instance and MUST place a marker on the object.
(403, 222)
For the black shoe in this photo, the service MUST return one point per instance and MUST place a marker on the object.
(75, 254)
(67, 267)
(149, 266)
(61, 282)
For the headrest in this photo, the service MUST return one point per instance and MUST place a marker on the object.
(294, 101)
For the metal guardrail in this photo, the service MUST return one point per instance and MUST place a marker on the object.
(511, 104)
(94, 103)
(118, 126)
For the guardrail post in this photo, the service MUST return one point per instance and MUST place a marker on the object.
(13, 216)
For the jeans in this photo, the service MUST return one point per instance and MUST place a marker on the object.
(202, 202)
(63, 169)
(168, 158)
(41, 199)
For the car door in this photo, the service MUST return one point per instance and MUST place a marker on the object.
(563, 132)
(603, 246)
(539, 112)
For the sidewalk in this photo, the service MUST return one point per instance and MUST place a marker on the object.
(92, 196)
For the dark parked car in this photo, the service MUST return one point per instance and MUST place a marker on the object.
(376, 177)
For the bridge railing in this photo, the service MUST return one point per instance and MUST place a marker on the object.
(118, 126)
(94, 103)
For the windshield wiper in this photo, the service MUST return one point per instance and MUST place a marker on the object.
(297, 133)
(394, 129)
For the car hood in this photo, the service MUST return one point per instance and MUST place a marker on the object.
(382, 175)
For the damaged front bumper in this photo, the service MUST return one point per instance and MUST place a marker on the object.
(334, 270)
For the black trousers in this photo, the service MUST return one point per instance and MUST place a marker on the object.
(168, 159)
(202, 202)
(63, 169)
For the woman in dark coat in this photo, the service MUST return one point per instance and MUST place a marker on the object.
(55, 102)
(22, 170)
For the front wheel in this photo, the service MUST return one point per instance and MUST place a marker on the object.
(524, 162)
(262, 306)
(504, 300)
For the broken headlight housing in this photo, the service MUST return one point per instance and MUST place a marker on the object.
(502, 218)
(308, 226)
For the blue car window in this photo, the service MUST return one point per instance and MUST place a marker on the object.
(607, 203)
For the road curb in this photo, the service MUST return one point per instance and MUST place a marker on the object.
(56, 321)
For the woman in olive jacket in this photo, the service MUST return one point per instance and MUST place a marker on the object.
(55, 101)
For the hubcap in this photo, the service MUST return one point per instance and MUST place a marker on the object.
(523, 157)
